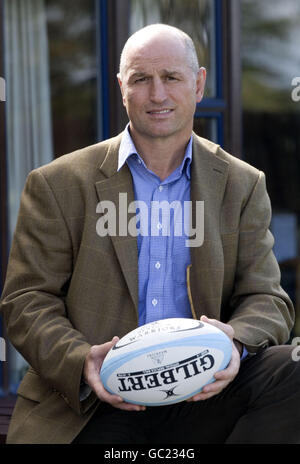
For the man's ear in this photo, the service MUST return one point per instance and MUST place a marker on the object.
(121, 87)
(200, 84)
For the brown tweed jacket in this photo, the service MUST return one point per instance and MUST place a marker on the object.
(67, 288)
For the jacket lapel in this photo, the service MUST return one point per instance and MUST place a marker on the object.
(205, 276)
(109, 189)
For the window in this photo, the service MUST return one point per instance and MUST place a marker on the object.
(73, 73)
(271, 119)
(198, 19)
(61, 60)
(205, 22)
(52, 74)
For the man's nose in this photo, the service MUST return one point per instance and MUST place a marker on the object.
(158, 91)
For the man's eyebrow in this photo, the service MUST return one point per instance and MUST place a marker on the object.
(171, 73)
(164, 72)
(137, 74)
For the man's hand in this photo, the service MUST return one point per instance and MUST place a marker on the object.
(224, 377)
(92, 366)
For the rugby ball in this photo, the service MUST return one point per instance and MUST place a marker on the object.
(166, 361)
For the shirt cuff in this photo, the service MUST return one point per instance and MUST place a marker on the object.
(244, 353)
(84, 392)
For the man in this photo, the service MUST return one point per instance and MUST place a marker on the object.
(71, 290)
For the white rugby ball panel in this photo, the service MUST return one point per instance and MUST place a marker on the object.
(165, 362)
(165, 326)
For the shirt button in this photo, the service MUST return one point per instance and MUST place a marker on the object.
(159, 226)
(154, 301)
(160, 188)
(157, 265)
(139, 161)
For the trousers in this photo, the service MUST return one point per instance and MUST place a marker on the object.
(260, 406)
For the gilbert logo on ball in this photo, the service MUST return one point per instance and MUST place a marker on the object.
(166, 361)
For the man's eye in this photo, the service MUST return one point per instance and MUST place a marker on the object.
(141, 79)
(171, 78)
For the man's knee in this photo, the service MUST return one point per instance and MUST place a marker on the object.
(279, 368)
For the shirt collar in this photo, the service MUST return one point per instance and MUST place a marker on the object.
(127, 149)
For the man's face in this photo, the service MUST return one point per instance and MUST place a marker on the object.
(159, 88)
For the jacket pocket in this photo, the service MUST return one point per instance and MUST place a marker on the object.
(33, 387)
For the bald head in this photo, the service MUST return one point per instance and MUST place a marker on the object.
(160, 32)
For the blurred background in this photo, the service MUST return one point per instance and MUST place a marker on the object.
(60, 58)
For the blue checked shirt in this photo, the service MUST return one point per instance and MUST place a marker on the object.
(162, 254)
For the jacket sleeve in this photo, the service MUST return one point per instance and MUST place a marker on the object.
(32, 303)
(262, 312)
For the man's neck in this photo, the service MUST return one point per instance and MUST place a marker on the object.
(161, 155)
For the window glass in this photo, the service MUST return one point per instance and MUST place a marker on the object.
(271, 121)
(51, 71)
(207, 127)
(194, 17)
(74, 71)
(28, 113)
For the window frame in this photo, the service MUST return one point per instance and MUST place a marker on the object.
(113, 25)
(3, 204)
(225, 107)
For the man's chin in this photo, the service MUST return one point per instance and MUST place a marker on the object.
(157, 133)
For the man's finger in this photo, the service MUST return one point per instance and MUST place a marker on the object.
(118, 402)
(226, 328)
